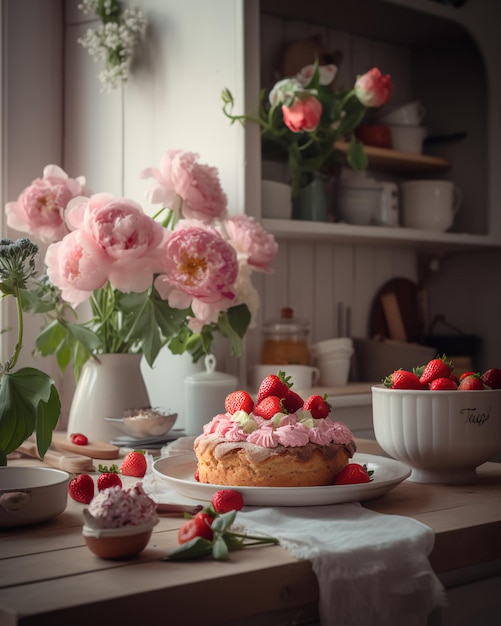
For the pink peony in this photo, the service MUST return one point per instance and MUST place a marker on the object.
(78, 266)
(200, 269)
(302, 114)
(251, 242)
(129, 238)
(196, 184)
(373, 89)
(40, 207)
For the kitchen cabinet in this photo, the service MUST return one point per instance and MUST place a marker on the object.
(446, 57)
(431, 54)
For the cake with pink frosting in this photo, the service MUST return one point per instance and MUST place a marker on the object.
(289, 450)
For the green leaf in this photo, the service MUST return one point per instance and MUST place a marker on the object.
(223, 522)
(219, 549)
(29, 401)
(233, 324)
(197, 548)
(356, 155)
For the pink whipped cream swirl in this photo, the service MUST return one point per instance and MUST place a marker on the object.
(289, 433)
(293, 435)
(266, 436)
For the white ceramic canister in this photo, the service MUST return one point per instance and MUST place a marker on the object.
(204, 395)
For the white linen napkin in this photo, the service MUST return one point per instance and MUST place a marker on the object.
(372, 569)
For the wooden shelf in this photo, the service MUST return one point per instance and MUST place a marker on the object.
(399, 161)
(435, 243)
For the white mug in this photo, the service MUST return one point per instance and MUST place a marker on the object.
(408, 138)
(301, 376)
(430, 204)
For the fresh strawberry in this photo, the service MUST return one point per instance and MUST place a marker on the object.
(352, 474)
(466, 374)
(226, 500)
(108, 479)
(443, 384)
(197, 526)
(403, 379)
(238, 401)
(454, 378)
(292, 402)
(81, 488)
(492, 378)
(134, 464)
(196, 476)
(436, 368)
(268, 407)
(79, 439)
(273, 385)
(318, 406)
(471, 383)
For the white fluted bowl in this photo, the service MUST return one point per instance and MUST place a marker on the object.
(443, 436)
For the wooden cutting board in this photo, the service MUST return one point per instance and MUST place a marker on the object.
(93, 450)
(400, 296)
(69, 462)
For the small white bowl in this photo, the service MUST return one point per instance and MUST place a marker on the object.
(145, 422)
(443, 436)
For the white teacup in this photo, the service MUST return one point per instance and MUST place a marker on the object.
(409, 114)
(301, 376)
(430, 204)
(408, 138)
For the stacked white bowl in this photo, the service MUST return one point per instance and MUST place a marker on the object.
(407, 134)
(333, 359)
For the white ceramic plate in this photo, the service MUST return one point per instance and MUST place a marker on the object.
(178, 473)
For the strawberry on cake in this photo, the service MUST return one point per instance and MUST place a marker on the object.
(278, 441)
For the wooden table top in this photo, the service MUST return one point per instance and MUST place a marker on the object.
(48, 576)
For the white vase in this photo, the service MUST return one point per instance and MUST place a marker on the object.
(165, 381)
(105, 389)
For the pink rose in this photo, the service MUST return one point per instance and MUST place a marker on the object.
(373, 89)
(302, 114)
(78, 266)
(40, 207)
(251, 241)
(200, 269)
(197, 185)
(126, 235)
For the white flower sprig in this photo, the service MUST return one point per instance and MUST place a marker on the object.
(114, 40)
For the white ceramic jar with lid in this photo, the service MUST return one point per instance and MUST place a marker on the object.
(204, 395)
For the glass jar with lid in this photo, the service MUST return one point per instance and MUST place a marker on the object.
(285, 341)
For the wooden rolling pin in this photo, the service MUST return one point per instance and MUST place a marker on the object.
(72, 463)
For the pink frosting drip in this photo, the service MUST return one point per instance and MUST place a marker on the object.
(266, 436)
